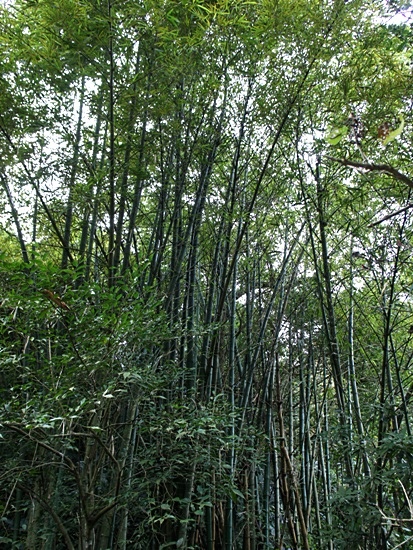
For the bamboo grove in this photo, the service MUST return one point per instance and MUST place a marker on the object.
(206, 276)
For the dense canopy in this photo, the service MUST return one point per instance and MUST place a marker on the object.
(206, 315)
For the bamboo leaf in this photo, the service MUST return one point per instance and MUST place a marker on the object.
(335, 135)
(392, 135)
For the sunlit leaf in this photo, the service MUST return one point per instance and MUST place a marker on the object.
(335, 135)
(392, 135)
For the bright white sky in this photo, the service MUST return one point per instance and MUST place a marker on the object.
(401, 18)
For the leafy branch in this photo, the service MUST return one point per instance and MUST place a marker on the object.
(384, 168)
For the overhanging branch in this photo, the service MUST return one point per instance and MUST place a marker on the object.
(384, 168)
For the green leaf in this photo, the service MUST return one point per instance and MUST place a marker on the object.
(392, 135)
(335, 135)
(235, 494)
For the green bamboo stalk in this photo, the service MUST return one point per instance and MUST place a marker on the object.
(16, 219)
(112, 159)
(72, 179)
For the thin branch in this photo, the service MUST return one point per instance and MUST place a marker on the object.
(16, 428)
(385, 168)
(410, 205)
(36, 187)
(51, 511)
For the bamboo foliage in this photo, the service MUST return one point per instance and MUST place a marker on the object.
(209, 344)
